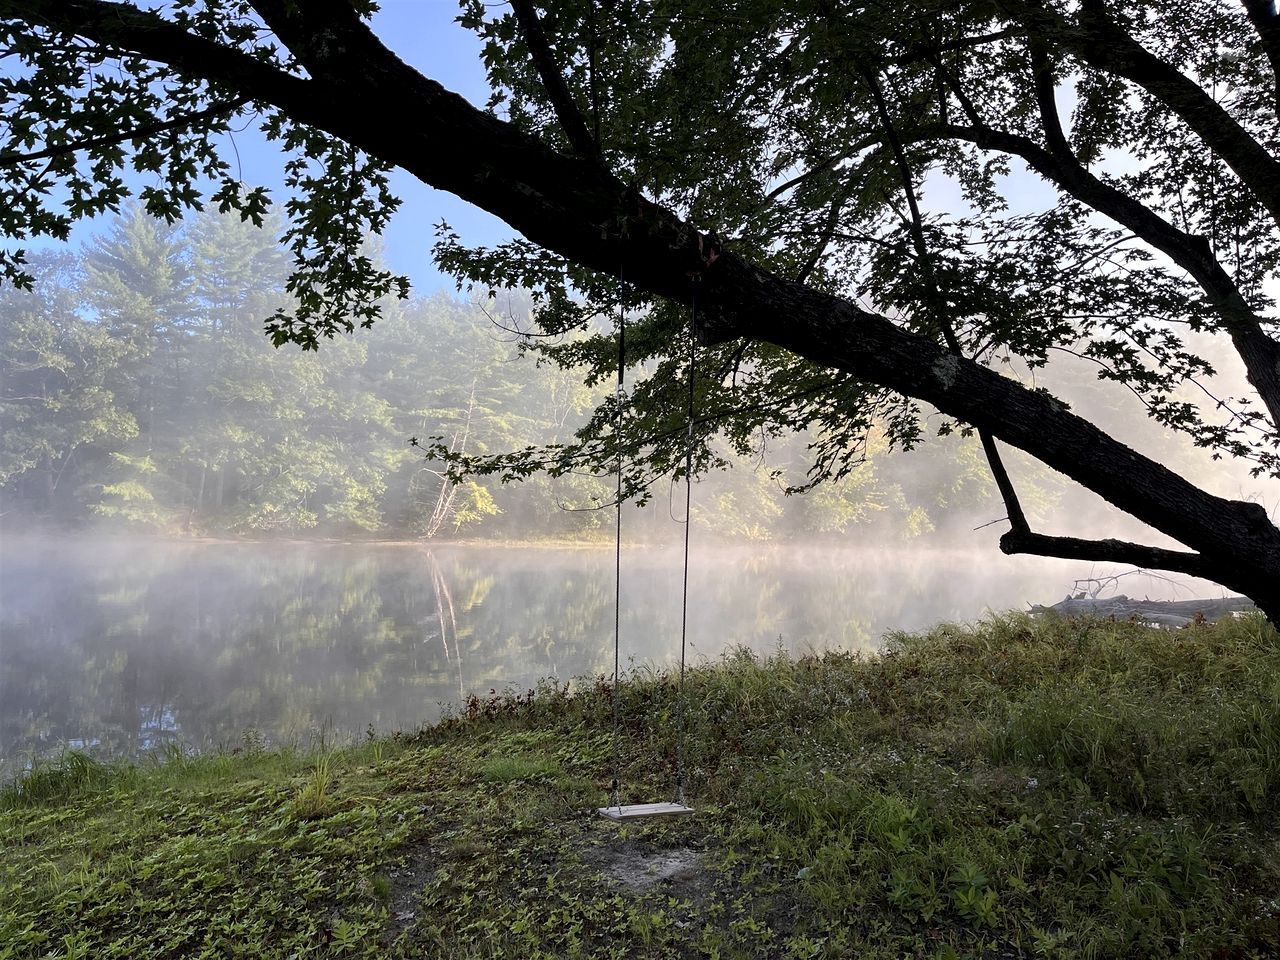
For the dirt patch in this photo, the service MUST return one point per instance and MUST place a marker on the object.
(421, 861)
(679, 871)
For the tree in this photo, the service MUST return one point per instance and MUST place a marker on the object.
(138, 288)
(642, 133)
(275, 441)
(57, 400)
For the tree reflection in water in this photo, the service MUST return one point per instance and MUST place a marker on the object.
(127, 645)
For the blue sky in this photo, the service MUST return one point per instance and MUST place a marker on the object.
(424, 34)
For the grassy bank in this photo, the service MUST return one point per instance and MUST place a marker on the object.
(1055, 789)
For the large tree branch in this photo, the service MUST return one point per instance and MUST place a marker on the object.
(937, 301)
(1260, 353)
(836, 333)
(122, 27)
(1059, 164)
(1265, 20)
(1108, 551)
(581, 212)
(1045, 85)
(571, 122)
(1098, 41)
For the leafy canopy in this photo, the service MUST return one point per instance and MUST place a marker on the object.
(774, 123)
(826, 141)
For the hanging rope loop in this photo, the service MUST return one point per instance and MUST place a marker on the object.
(615, 792)
(688, 523)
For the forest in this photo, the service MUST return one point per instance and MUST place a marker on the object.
(141, 393)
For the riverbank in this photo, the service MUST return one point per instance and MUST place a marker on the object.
(1020, 788)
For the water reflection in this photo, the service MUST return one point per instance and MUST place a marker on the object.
(127, 645)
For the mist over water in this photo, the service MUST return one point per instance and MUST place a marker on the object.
(124, 645)
(147, 399)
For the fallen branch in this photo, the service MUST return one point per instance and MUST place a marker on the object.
(1174, 613)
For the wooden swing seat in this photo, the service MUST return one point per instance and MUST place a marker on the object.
(638, 811)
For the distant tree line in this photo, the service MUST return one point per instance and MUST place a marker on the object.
(140, 390)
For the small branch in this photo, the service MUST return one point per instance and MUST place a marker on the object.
(918, 52)
(571, 121)
(832, 220)
(735, 358)
(137, 133)
(795, 181)
(938, 307)
(952, 82)
(990, 523)
(594, 76)
(1111, 551)
(853, 235)
(1000, 474)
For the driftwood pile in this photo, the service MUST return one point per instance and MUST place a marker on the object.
(1165, 613)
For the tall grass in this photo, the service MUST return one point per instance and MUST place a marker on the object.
(71, 775)
(315, 798)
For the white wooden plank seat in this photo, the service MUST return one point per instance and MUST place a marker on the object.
(639, 811)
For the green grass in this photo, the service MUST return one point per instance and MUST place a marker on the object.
(1018, 788)
(517, 768)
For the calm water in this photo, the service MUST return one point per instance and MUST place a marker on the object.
(126, 645)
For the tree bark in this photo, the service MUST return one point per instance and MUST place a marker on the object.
(1265, 20)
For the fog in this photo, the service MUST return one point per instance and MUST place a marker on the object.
(126, 644)
(198, 529)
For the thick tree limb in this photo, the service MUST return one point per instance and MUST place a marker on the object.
(1265, 20)
(1108, 551)
(1260, 353)
(838, 334)
(1100, 42)
(937, 302)
(143, 132)
(151, 37)
(1046, 84)
(574, 208)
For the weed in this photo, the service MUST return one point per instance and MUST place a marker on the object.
(512, 769)
(314, 799)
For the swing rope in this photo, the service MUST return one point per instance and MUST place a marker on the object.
(615, 792)
(688, 522)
